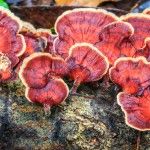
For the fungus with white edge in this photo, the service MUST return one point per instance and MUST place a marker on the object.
(12, 44)
(78, 26)
(40, 73)
(136, 109)
(85, 64)
(140, 23)
(132, 74)
(114, 41)
(46, 33)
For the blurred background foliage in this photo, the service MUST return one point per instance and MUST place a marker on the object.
(119, 4)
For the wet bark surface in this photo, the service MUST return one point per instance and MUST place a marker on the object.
(77, 124)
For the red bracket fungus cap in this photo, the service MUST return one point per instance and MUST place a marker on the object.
(86, 64)
(41, 73)
(144, 51)
(39, 68)
(140, 23)
(114, 41)
(34, 42)
(49, 38)
(136, 109)
(12, 44)
(54, 92)
(132, 74)
(78, 26)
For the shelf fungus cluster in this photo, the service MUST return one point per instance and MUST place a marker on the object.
(89, 43)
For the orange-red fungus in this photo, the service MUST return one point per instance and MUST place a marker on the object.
(12, 44)
(86, 64)
(136, 109)
(41, 73)
(78, 26)
(140, 23)
(132, 74)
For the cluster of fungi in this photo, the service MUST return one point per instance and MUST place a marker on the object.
(89, 44)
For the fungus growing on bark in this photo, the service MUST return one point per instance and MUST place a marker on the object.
(132, 74)
(41, 73)
(53, 93)
(85, 64)
(34, 43)
(39, 68)
(140, 23)
(45, 33)
(136, 109)
(144, 51)
(114, 41)
(12, 44)
(78, 26)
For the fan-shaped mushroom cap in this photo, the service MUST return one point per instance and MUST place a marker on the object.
(132, 74)
(136, 109)
(86, 63)
(54, 92)
(140, 23)
(10, 27)
(39, 68)
(12, 44)
(144, 51)
(80, 25)
(114, 40)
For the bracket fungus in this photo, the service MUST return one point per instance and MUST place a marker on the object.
(145, 52)
(78, 26)
(46, 33)
(34, 42)
(136, 109)
(85, 64)
(140, 23)
(12, 44)
(114, 41)
(41, 73)
(132, 74)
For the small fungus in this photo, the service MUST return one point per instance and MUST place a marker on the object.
(85, 64)
(12, 44)
(34, 42)
(132, 74)
(41, 73)
(136, 109)
(45, 33)
(78, 26)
